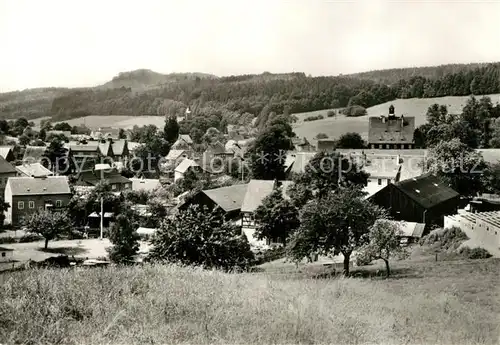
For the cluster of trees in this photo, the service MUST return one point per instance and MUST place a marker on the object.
(477, 126)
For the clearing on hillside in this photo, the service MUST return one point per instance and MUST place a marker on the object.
(334, 127)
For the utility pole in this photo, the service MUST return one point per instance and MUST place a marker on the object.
(102, 217)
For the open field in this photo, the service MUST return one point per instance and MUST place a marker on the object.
(118, 121)
(334, 127)
(425, 302)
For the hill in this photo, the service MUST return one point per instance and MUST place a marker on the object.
(216, 102)
(394, 75)
(426, 302)
(334, 127)
(145, 78)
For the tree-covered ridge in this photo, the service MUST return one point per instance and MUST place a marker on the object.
(248, 96)
(394, 75)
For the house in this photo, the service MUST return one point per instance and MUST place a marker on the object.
(174, 157)
(326, 145)
(424, 199)
(33, 170)
(391, 132)
(6, 254)
(216, 149)
(228, 199)
(382, 172)
(257, 191)
(105, 133)
(183, 142)
(482, 227)
(119, 150)
(7, 152)
(485, 202)
(410, 231)
(117, 182)
(33, 154)
(302, 145)
(146, 232)
(144, 184)
(184, 166)
(6, 171)
(27, 195)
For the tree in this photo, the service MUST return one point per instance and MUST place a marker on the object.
(171, 130)
(384, 242)
(327, 171)
(122, 134)
(49, 224)
(4, 206)
(350, 140)
(337, 223)
(457, 165)
(437, 114)
(24, 140)
(268, 152)
(321, 136)
(124, 238)
(200, 237)
(63, 126)
(277, 217)
(57, 155)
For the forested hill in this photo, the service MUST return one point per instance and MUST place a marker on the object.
(394, 75)
(237, 99)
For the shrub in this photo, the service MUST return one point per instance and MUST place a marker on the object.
(321, 136)
(314, 118)
(354, 110)
(363, 258)
(30, 238)
(75, 235)
(474, 253)
(330, 113)
(445, 239)
(9, 239)
(268, 255)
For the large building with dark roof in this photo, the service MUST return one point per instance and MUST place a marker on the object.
(391, 131)
(424, 199)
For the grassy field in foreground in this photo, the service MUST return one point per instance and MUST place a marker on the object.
(334, 127)
(454, 302)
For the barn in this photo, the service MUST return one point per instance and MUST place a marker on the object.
(424, 199)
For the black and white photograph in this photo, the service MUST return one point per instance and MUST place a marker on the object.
(216, 172)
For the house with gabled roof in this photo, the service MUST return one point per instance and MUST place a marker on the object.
(92, 178)
(184, 166)
(7, 152)
(424, 199)
(183, 142)
(27, 195)
(228, 199)
(391, 132)
(120, 149)
(33, 170)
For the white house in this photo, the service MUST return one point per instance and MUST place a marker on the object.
(183, 168)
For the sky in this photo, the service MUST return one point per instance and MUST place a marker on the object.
(72, 43)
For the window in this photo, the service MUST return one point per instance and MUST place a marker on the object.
(20, 205)
(113, 186)
(58, 203)
(388, 180)
(379, 181)
(3, 254)
(31, 204)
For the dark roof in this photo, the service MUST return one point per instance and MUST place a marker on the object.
(93, 178)
(383, 130)
(228, 198)
(39, 186)
(6, 167)
(326, 144)
(427, 190)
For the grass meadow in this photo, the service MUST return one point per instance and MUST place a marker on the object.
(425, 302)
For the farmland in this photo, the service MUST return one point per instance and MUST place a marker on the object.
(334, 127)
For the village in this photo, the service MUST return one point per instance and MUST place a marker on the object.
(397, 181)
